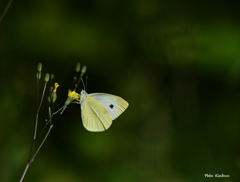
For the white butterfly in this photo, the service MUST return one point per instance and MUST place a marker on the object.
(99, 109)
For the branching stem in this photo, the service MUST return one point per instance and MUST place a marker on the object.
(32, 158)
(6, 9)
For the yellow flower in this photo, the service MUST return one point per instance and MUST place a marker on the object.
(72, 95)
(56, 86)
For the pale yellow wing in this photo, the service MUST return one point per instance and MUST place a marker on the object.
(113, 104)
(94, 116)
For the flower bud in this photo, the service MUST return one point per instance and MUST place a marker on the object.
(39, 67)
(78, 67)
(68, 101)
(54, 97)
(84, 69)
(52, 76)
(46, 77)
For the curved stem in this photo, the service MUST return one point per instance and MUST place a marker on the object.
(34, 155)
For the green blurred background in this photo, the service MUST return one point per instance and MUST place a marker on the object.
(176, 63)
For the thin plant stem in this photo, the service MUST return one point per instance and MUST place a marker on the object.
(58, 110)
(25, 171)
(31, 159)
(52, 112)
(49, 110)
(6, 9)
(50, 118)
(52, 108)
(35, 132)
(64, 107)
(34, 155)
(75, 102)
(37, 94)
(42, 96)
(80, 78)
(38, 109)
(50, 128)
(34, 139)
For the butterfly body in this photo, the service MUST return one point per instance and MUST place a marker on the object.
(99, 109)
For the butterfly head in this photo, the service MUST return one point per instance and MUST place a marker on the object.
(83, 92)
(83, 96)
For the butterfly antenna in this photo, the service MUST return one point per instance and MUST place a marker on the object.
(83, 84)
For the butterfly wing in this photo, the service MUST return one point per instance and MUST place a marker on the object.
(94, 116)
(113, 104)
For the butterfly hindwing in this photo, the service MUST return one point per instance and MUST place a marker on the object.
(113, 104)
(94, 116)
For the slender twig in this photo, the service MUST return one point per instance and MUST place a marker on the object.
(31, 150)
(25, 171)
(78, 81)
(50, 128)
(52, 107)
(50, 117)
(42, 95)
(34, 155)
(6, 9)
(34, 139)
(58, 110)
(35, 132)
(37, 94)
(64, 107)
(31, 159)
(52, 112)
(75, 102)
(38, 109)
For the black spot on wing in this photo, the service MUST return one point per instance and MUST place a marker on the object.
(111, 106)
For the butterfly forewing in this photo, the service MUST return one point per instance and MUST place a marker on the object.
(94, 116)
(113, 104)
